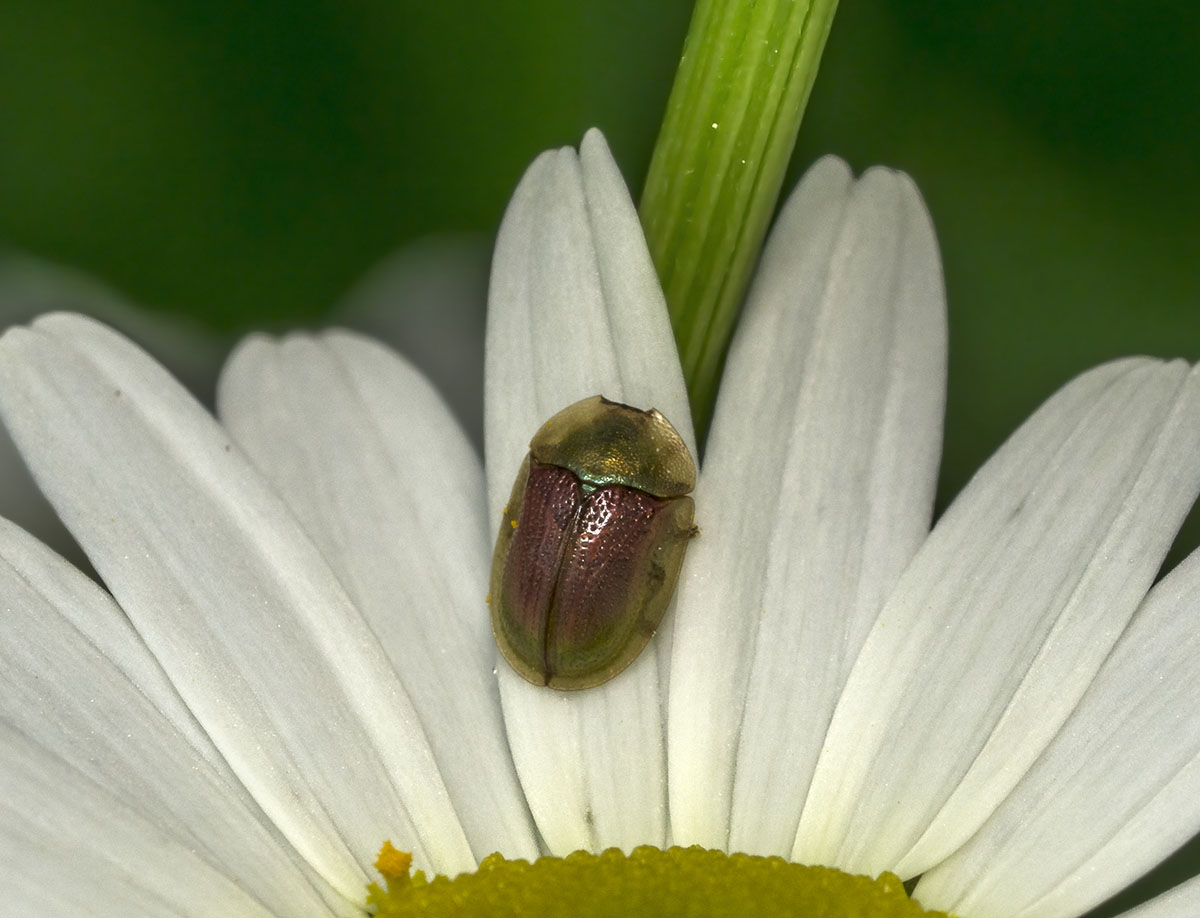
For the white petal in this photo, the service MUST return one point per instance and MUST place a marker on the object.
(428, 300)
(29, 287)
(575, 310)
(230, 596)
(1114, 794)
(84, 852)
(381, 477)
(80, 684)
(997, 628)
(816, 490)
(73, 608)
(1181, 902)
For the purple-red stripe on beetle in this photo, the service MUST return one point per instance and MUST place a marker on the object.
(591, 543)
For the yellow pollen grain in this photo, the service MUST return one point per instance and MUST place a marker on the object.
(393, 863)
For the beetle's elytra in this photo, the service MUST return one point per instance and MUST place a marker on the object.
(591, 543)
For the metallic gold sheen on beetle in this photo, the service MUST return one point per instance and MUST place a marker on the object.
(591, 543)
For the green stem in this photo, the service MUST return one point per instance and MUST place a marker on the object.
(743, 81)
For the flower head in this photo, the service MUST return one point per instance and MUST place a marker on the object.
(295, 662)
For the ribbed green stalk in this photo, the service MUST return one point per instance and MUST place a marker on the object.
(731, 122)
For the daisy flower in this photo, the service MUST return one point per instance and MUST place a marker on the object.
(293, 661)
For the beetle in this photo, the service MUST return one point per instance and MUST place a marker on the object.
(591, 543)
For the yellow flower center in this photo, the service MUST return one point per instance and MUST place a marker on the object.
(693, 882)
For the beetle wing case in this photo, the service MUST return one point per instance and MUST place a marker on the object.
(582, 582)
(591, 543)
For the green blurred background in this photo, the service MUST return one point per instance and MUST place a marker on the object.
(245, 163)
